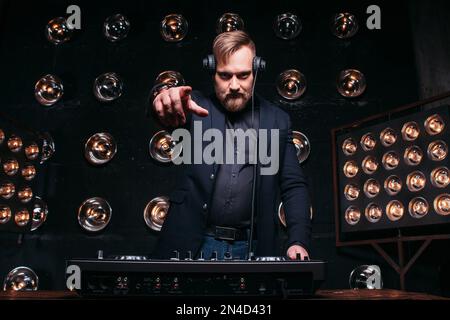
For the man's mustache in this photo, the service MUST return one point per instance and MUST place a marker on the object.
(234, 96)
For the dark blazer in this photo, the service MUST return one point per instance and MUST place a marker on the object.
(183, 229)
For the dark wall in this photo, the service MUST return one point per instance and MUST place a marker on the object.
(385, 56)
(431, 29)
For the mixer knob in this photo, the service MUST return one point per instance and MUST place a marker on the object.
(175, 283)
(228, 255)
(242, 284)
(201, 257)
(176, 255)
(157, 284)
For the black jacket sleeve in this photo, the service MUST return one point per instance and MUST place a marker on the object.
(295, 196)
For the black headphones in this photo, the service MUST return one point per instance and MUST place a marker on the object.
(209, 63)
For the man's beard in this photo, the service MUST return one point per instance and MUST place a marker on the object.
(234, 102)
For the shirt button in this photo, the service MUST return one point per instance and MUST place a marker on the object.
(205, 206)
(211, 176)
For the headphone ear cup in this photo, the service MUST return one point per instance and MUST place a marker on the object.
(258, 64)
(209, 63)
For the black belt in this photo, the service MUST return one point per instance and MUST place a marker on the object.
(227, 233)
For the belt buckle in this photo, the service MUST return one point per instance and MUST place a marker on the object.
(225, 233)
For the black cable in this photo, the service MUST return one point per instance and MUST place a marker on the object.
(252, 218)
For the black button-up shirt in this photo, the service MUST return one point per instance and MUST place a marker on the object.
(232, 197)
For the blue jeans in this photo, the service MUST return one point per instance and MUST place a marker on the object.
(237, 249)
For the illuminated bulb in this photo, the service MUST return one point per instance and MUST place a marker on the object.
(352, 215)
(15, 143)
(11, 167)
(410, 131)
(302, 145)
(434, 125)
(349, 147)
(94, 214)
(100, 148)
(291, 84)
(390, 160)
(58, 31)
(351, 192)
(394, 210)
(371, 188)
(22, 218)
(393, 185)
(21, 279)
(368, 142)
(5, 214)
(344, 25)
(229, 22)
(413, 155)
(32, 151)
(415, 181)
(166, 147)
(7, 190)
(373, 212)
(155, 213)
(388, 137)
(440, 177)
(163, 148)
(350, 169)
(442, 204)
(369, 165)
(351, 83)
(174, 28)
(437, 150)
(418, 207)
(25, 194)
(48, 90)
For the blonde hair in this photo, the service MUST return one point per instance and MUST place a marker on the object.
(227, 43)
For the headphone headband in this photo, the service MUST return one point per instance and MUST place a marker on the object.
(209, 63)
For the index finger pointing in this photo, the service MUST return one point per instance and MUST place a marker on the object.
(195, 108)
